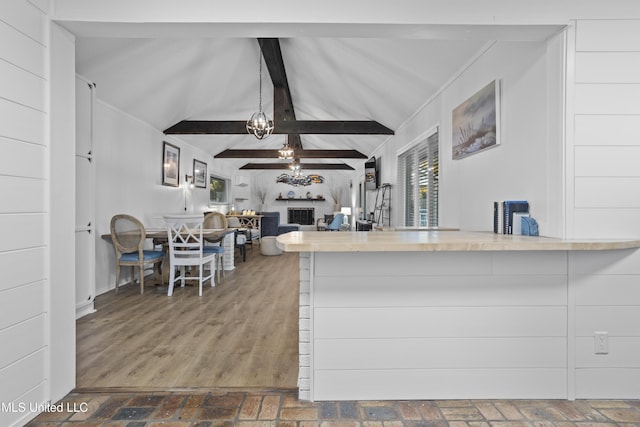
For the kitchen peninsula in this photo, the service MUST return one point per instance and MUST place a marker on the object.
(463, 315)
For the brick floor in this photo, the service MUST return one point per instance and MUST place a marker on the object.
(282, 409)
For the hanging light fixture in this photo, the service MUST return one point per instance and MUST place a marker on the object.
(259, 125)
(295, 166)
(286, 152)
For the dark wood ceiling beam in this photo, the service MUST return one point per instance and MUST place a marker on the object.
(300, 127)
(282, 103)
(301, 154)
(307, 166)
(335, 127)
(282, 109)
(272, 55)
(285, 122)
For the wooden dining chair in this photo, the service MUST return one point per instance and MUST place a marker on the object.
(215, 221)
(187, 249)
(128, 236)
(239, 236)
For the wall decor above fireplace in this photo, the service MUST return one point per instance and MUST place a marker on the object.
(297, 180)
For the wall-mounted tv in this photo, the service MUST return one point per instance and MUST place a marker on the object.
(371, 173)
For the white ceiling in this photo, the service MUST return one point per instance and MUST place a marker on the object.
(165, 80)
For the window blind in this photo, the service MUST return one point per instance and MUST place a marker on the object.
(418, 170)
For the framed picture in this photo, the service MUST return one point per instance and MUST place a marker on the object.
(170, 165)
(476, 122)
(218, 187)
(199, 174)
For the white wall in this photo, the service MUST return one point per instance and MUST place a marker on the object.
(29, 220)
(487, 12)
(516, 169)
(436, 325)
(603, 145)
(25, 173)
(62, 203)
(128, 161)
(267, 180)
(603, 200)
(604, 288)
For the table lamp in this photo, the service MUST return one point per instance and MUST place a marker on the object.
(347, 214)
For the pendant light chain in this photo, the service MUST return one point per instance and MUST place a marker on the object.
(259, 125)
(260, 83)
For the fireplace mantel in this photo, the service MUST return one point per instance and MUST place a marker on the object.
(300, 200)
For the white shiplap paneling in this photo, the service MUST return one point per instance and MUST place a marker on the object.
(26, 18)
(305, 344)
(618, 321)
(441, 384)
(21, 50)
(26, 195)
(20, 87)
(608, 67)
(607, 192)
(21, 303)
(607, 99)
(441, 353)
(607, 223)
(19, 159)
(24, 172)
(602, 35)
(26, 125)
(606, 383)
(535, 263)
(21, 231)
(36, 394)
(608, 130)
(374, 264)
(428, 320)
(608, 161)
(434, 291)
(26, 337)
(623, 352)
(407, 322)
(22, 267)
(621, 262)
(21, 379)
(607, 289)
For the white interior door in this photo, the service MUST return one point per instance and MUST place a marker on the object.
(85, 211)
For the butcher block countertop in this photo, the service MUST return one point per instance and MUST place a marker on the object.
(428, 241)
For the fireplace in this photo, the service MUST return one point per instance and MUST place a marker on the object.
(302, 216)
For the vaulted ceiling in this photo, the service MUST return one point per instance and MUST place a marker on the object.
(163, 81)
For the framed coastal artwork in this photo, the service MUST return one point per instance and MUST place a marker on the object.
(199, 174)
(476, 122)
(170, 165)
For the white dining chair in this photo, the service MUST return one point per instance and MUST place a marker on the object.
(216, 220)
(186, 249)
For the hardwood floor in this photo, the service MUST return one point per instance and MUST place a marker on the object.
(241, 333)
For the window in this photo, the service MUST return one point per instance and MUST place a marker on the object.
(418, 180)
(218, 189)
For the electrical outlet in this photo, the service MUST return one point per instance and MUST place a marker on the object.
(601, 342)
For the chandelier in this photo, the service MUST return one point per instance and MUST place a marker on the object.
(286, 152)
(295, 166)
(259, 125)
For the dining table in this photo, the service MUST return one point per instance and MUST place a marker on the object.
(211, 235)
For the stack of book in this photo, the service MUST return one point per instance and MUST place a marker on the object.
(504, 213)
